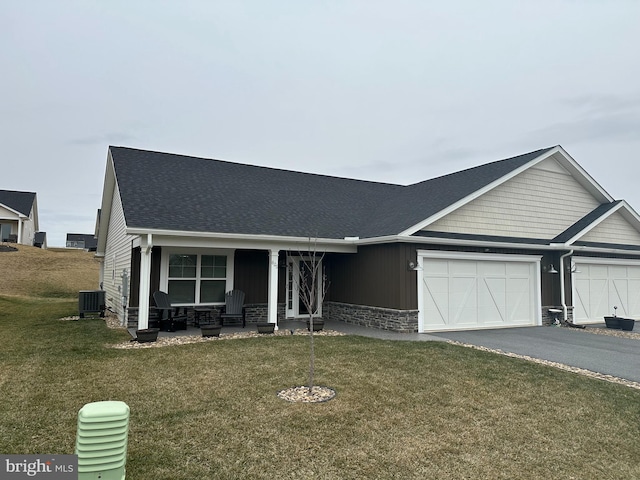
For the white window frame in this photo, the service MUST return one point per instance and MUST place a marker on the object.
(164, 269)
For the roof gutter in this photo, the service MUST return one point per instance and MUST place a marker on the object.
(353, 242)
(237, 236)
(454, 242)
(230, 240)
(491, 244)
(583, 248)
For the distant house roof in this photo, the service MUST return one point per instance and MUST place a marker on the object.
(39, 238)
(179, 193)
(88, 240)
(21, 202)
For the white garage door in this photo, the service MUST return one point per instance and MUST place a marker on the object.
(471, 291)
(598, 286)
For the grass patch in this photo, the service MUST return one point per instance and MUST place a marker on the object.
(50, 273)
(402, 410)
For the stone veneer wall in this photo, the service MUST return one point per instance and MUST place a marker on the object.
(405, 321)
(254, 313)
(257, 312)
(548, 318)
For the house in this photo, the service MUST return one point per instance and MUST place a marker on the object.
(18, 217)
(494, 246)
(82, 240)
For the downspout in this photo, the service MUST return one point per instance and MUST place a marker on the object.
(150, 244)
(144, 287)
(563, 299)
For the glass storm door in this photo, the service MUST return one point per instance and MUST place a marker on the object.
(297, 272)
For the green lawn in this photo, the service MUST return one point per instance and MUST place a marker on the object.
(403, 410)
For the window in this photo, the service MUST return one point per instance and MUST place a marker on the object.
(197, 278)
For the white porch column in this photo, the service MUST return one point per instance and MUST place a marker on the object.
(20, 224)
(272, 306)
(145, 283)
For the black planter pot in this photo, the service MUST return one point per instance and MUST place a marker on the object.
(266, 327)
(318, 325)
(147, 335)
(626, 323)
(612, 322)
(211, 330)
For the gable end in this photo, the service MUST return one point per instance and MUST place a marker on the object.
(540, 202)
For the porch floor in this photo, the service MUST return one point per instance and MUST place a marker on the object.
(345, 328)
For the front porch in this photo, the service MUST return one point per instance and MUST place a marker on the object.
(337, 313)
(197, 271)
(270, 279)
(300, 324)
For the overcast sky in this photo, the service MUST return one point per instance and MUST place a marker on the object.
(394, 91)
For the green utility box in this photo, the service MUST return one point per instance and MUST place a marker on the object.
(101, 443)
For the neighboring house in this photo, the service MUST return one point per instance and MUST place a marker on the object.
(81, 240)
(493, 246)
(18, 217)
(40, 240)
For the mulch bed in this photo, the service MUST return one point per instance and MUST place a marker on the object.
(302, 394)
(112, 322)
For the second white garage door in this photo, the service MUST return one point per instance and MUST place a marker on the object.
(599, 285)
(470, 291)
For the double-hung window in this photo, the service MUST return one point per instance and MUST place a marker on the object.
(195, 278)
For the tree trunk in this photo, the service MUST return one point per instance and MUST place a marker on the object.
(311, 361)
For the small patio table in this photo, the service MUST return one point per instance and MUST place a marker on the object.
(202, 313)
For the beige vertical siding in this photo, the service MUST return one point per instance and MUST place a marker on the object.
(614, 229)
(541, 202)
(117, 254)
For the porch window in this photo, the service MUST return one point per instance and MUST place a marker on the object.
(196, 278)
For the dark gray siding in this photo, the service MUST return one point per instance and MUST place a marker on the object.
(376, 276)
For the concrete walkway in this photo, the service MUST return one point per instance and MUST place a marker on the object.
(345, 328)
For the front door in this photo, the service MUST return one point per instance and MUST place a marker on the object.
(298, 273)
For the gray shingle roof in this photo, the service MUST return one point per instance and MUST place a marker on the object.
(483, 238)
(20, 201)
(176, 192)
(584, 222)
(422, 200)
(90, 241)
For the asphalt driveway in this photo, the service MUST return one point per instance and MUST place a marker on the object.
(605, 354)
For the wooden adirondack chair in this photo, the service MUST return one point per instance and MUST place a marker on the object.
(170, 318)
(233, 307)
